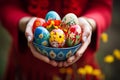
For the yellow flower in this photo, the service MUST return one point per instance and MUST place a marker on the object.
(109, 59)
(81, 71)
(37, 23)
(96, 72)
(51, 24)
(60, 37)
(44, 43)
(104, 37)
(116, 53)
(88, 69)
(40, 36)
(69, 70)
(62, 70)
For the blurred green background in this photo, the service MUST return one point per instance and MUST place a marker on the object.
(111, 71)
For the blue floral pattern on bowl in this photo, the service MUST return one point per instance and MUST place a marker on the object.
(58, 54)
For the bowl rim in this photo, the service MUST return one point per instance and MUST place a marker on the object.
(78, 45)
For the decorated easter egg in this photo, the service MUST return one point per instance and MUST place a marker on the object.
(57, 38)
(74, 35)
(52, 15)
(38, 22)
(69, 20)
(41, 36)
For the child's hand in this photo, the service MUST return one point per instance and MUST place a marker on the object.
(29, 36)
(87, 28)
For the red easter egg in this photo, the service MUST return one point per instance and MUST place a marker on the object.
(38, 22)
(74, 35)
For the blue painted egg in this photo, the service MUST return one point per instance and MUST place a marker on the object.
(52, 15)
(41, 36)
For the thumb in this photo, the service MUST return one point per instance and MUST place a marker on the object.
(84, 36)
(85, 28)
(28, 31)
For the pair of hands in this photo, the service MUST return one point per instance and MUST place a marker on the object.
(86, 39)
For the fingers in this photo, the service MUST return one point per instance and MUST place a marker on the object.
(86, 28)
(71, 59)
(78, 54)
(40, 56)
(86, 38)
(83, 23)
(84, 46)
(66, 63)
(29, 36)
(28, 31)
(36, 54)
(53, 63)
(60, 64)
